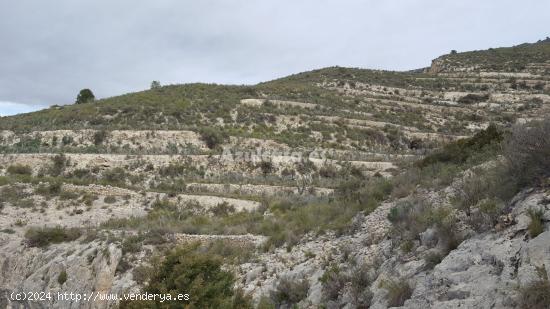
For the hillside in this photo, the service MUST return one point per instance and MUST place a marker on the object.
(335, 188)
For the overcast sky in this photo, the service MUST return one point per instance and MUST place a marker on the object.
(49, 50)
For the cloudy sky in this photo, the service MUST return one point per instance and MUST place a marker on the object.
(49, 50)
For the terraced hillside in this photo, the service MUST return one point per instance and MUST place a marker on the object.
(266, 177)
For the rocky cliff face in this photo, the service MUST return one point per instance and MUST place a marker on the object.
(86, 267)
(487, 270)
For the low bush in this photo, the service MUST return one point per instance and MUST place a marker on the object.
(266, 167)
(398, 291)
(99, 137)
(24, 203)
(109, 199)
(212, 137)
(290, 292)
(333, 281)
(412, 217)
(536, 295)
(483, 195)
(485, 214)
(536, 226)
(472, 98)
(458, 152)
(59, 162)
(82, 173)
(186, 271)
(432, 259)
(527, 152)
(13, 193)
(88, 199)
(42, 237)
(358, 279)
(62, 278)
(173, 170)
(115, 176)
(68, 195)
(328, 171)
(51, 189)
(19, 169)
(364, 193)
(222, 209)
(132, 244)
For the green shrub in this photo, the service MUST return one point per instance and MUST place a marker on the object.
(67, 140)
(109, 199)
(409, 218)
(527, 152)
(398, 291)
(42, 237)
(89, 198)
(536, 226)
(333, 281)
(432, 259)
(132, 244)
(51, 189)
(472, 98)
(99, 137)
(536, 295)
(328, 171)
(62, 278)
(115, 175)
(358, 278)
(173, 170)
(489, 185)
(460, 151)
(24, 203)
(13, 193)
(186, 271)
(81, 173)
(19, 169)
(485, 214)
(68, 195)
(265, 303)
(289, 291)
(212, 137)
(222, 209)
(28, 145)
(266, 167)
(58, 164)
(362, 192)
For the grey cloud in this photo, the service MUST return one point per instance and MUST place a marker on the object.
(50, 50)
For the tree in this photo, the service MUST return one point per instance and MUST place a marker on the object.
(85, 96)
(155, 85)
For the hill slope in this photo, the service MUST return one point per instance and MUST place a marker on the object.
(334, 187)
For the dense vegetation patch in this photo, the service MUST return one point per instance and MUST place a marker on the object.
(42, 237)
(185, 270)
(484, 142)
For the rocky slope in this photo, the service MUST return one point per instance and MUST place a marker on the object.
(295, 173)
(487, 270)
